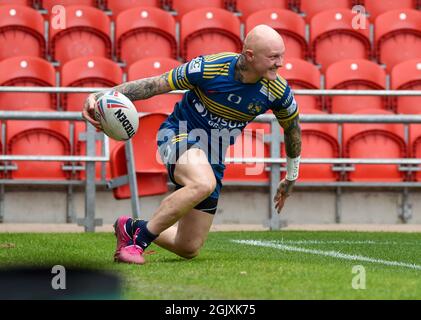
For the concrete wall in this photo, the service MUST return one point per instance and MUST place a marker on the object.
(236, 205)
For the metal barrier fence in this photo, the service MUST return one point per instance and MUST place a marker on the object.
(275, 160)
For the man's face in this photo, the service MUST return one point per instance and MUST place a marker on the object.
(268, 60)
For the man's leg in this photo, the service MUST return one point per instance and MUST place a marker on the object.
(188, 236)
(195, 174)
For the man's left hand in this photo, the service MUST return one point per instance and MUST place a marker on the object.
(284, 190)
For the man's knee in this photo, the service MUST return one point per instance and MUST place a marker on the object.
(190, 250)
(203, 187)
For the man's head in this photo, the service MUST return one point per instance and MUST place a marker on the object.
(264, 51)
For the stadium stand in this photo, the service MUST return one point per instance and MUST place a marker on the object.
(357, 74)
(80, 150)
(118, 6)
(150, 174)
(246, 8)
(310, 7)
(375, 7)
(27, 72)
(319, 140)
(398, 29)
(22, 28)
(374, 140)
(207, 31)
(415, 146)
(87, 33)
(290, 25)
(301, 74)
(151, 67)
(38, 138)
(181, 7)
(28, 3)
(49, 4)
(248, 145)
(407, 76)
(333, 38)
(87, 72)
(143, 33)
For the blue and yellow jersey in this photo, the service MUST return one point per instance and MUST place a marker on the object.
(216, 100)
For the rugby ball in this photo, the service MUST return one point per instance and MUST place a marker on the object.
(117, 115)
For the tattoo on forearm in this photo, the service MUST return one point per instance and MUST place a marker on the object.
(292, 133)
(144, 88)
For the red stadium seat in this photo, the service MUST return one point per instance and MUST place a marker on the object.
(21, 32)
(247, 145)
(87, 72)
(207, 31)
(288, 24)
(28, 3)
(143, 33)
(319, 140)
(301, 74)
(398, 36)
(151, 175)
(357, 74)
(333, 38)
(183, 6)
(38, 138)
(151, 67)
(407, 76)
(49, 4)
(310, 7)
(247, 7)
(80, 150)
(118, 6)
(87, 33)
(376, 7)
(374, 140)
(27, 71)
(415, 146)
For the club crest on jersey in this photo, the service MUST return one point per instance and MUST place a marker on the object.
(254, 108)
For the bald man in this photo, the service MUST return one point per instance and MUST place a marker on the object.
(225, 92)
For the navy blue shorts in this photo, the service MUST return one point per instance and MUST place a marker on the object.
(171, 145)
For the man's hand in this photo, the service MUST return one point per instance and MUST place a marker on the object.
(283, 192)
(88, 112)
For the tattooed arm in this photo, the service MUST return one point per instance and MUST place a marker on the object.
(134, 90)
(292, 133)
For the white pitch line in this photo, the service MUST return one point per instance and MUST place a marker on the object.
(376, 242)
(330, 253)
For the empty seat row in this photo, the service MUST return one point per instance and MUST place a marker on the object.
(146, 32)
(308, 8)
(94, 71)
(319, 141)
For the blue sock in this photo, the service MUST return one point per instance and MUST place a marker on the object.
(145, 237)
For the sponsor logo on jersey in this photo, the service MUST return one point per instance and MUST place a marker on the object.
(195, 65)
(234, 98)
(181, 71)
(291, 109)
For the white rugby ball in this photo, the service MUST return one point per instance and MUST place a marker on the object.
(117, 115)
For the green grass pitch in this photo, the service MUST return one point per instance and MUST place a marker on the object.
(243, 265)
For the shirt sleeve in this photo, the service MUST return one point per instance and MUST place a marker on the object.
(286, 107)
(187, 75)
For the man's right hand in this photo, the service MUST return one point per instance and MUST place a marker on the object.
(88, 112)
